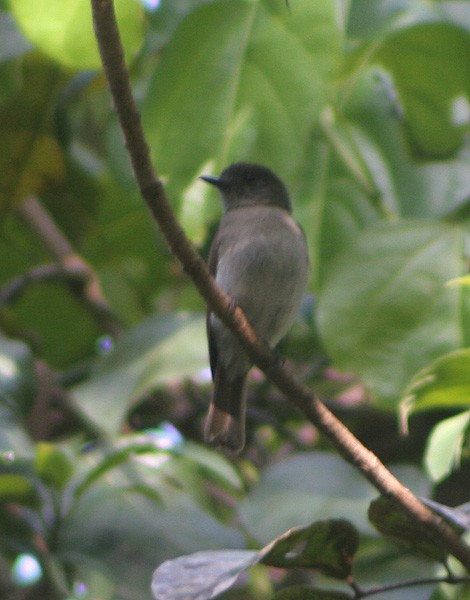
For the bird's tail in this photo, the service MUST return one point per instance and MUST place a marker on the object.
(225, 423)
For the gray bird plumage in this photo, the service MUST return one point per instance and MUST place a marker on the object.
(259, 258)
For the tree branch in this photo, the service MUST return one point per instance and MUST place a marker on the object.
(153, 193)
(89, 288)
(51, 272)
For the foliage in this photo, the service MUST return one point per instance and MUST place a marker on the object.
(364, 110)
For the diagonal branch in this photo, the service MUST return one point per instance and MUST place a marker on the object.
(80, 276)
(153, 193)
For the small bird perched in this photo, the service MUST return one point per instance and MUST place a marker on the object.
(259, 258)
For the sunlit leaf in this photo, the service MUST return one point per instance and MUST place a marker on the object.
(444, 383)
(445, 444)
(52, 465)
(64, 30)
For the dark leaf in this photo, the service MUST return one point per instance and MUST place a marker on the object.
(328, 546)
(394, 524)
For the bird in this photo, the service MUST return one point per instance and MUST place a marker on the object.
(259, 257)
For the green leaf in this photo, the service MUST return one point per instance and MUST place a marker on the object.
(211, 464)
(137, 526)
(188, 467)
(331, 207)
(114, 459)
(395, 524)
(328, 546)
(301, 488)
(250, 84)
(53, 465)
(64, 30)
(444, 448)
(430, 63)
(385, 297)
(407, 188)
(200, 576)
(158, 351)
(31, 159)
(18, 488)
(444, 383)
(385, 15)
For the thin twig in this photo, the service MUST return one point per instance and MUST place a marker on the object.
(89, 288)
(153, 193)
(18, 285)
(407, 583)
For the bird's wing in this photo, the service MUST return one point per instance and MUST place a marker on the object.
(212, 263)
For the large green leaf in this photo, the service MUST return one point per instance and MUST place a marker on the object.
(160, 350)
(64, 30)
(406, 188)
(385, 310)
(303, 487)
(425, 48)
(443, 384)
(122, 528)
(331, 206)
(239, 80)
(430, 63)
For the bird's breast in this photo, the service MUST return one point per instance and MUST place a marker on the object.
(262, 265)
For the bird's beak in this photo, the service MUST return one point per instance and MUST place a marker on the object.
(210, 179)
